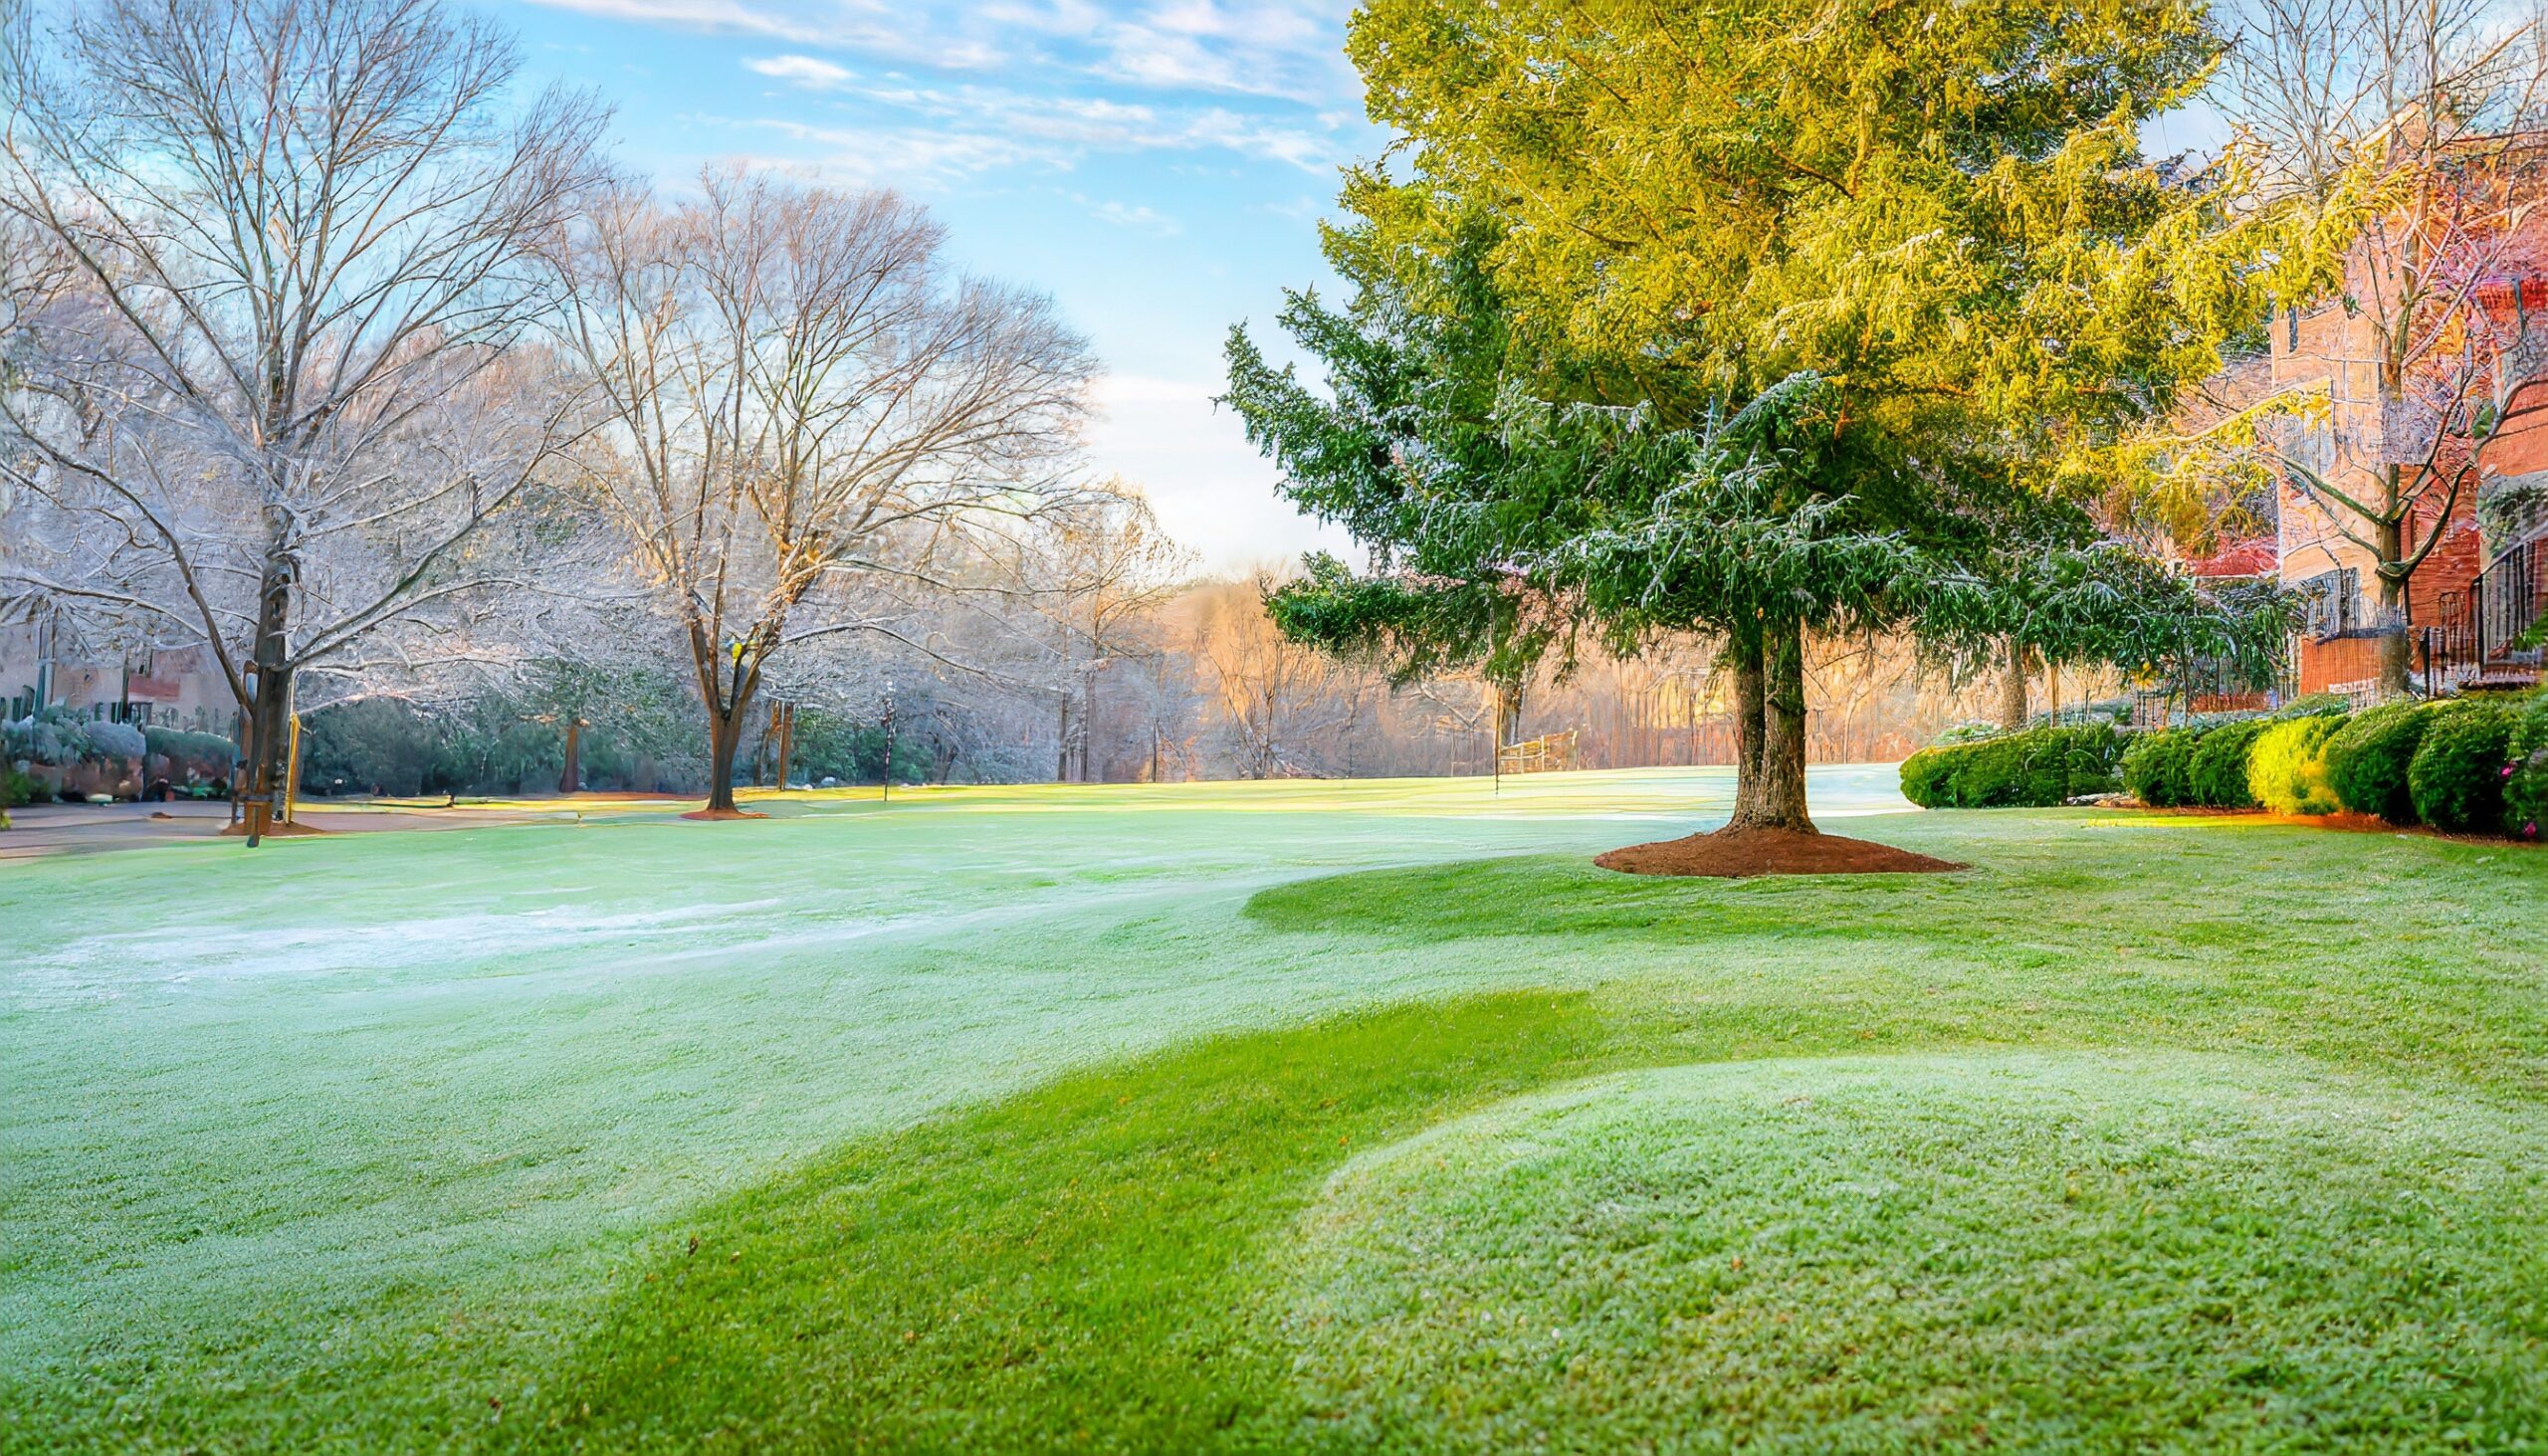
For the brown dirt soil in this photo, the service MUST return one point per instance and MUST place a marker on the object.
(722, 814)
(1735, 854)
(2346, 822)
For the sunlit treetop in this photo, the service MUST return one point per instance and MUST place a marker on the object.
(1941, 208)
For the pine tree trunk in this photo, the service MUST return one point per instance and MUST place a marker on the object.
(2012, 686)
(1781, 801)
(1769, 726)
(1749, 723)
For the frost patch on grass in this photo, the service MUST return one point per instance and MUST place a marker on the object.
(113, 963)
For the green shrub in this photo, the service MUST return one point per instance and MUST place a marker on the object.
(18, 788)
(2287, 767)
(2158, 769)
(2217, 774)
(2039, 767)
(113, 742)
(57, 737)
(2526, 790)
(211, 752)
(1924, 774)
(2457, 774)
(2367, 761)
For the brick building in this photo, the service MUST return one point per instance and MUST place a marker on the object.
(170, 688)
(2477, 592)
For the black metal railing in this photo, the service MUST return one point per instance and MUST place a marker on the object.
(2498, 627)
(2511, 600)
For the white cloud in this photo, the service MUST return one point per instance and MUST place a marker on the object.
(802, 71)
(902, 156)
(964, 130)
(1138, 219)
(866, 26)
(1289, 49)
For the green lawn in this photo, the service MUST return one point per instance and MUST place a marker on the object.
(1276, 1117)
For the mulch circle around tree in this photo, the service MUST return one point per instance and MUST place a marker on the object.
(1736, 854)
(273, 831)
(722, 814)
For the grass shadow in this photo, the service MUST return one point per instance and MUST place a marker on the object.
(1082, 1255)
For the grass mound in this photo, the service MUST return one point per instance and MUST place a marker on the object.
(556, 1138)
(1739, 854)
(2032, 1251)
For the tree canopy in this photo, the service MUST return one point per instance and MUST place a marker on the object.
(1756, 318)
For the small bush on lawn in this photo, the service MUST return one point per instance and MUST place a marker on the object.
(2217, 777)
(2367, 761)
(2526, 791)
(2040, 766)
(2457, 774)
(54, 737)
(211, 752)
(1924, 777)
(2287, 767)
(111, 741)
(2158, 769)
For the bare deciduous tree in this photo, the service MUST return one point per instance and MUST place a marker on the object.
(270, 393)
(1113, 566)
(2405, 138)
(1274, 698)
(803, 401)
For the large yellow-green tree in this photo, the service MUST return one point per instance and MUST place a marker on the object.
(1894, 272)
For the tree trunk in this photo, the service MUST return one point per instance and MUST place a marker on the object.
(270, 703)
(2397, 656)
(1777, 800)
(2389, 545)
(1088, 728)
(1062, 754)
(2012, 686)
(570, 779)
(725, 737)
(1750, 722)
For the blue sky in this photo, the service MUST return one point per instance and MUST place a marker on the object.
(1157, 166)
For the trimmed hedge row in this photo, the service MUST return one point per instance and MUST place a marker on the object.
(209, 751)
(2158, 769)
(2467, 765)
(2031, 770)
(2221, 778)
(2526, 782)
(2287, 767)
(2458, 772)
(2367, 761)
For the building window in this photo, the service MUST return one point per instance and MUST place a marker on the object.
(2333, 601)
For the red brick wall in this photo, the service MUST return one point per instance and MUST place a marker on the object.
(2520, 448)
(2337, 662)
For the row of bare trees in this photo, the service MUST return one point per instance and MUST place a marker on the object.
(327, 355)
